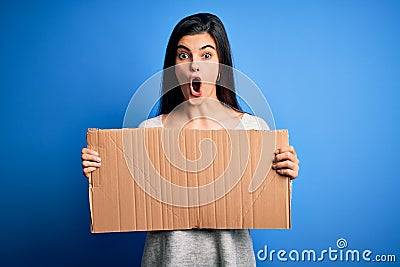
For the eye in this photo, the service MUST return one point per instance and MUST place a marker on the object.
(183, 55)
(207, 55)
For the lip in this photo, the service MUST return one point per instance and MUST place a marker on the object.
(195, 86)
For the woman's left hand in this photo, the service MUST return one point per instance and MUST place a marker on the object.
(286, 162)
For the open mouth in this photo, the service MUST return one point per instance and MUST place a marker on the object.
(195, 86)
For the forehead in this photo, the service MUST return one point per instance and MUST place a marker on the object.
(197, 40)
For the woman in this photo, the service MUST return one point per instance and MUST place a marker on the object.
(202, 97)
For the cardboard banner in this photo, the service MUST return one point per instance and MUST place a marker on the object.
(166, 179)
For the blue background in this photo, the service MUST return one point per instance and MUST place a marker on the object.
(329, 69)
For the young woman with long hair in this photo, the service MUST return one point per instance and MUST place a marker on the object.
(198, 92)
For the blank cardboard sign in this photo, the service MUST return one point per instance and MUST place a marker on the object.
(166, 179)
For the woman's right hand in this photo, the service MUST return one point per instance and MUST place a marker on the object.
(90, 161)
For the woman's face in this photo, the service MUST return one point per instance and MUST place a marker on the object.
(197, 66)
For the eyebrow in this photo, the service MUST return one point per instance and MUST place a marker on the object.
(201, 48)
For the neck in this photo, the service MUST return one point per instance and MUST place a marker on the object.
(202, 113)
(208, 108)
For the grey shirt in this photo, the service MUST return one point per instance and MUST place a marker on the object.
(201, 247)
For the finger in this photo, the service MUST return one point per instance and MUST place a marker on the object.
(88, 171)
(91, 157)
(87, 163)
(285, 165)
(285, 156)
(86, 150)
(285, 149)
(288, 173)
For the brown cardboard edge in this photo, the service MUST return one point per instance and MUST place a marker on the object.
(91, 139)
(289, 210)
(286, 142)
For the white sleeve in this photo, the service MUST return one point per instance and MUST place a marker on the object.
(251, 122)
(151, 123)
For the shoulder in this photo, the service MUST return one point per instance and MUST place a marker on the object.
(152, 122)
(250, 122)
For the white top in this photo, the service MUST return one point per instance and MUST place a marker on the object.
(248, 122)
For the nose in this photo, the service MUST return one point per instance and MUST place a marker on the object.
(194, 66)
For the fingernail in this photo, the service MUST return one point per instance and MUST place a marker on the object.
(273, 166)
(277, 151)
(99, 159)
